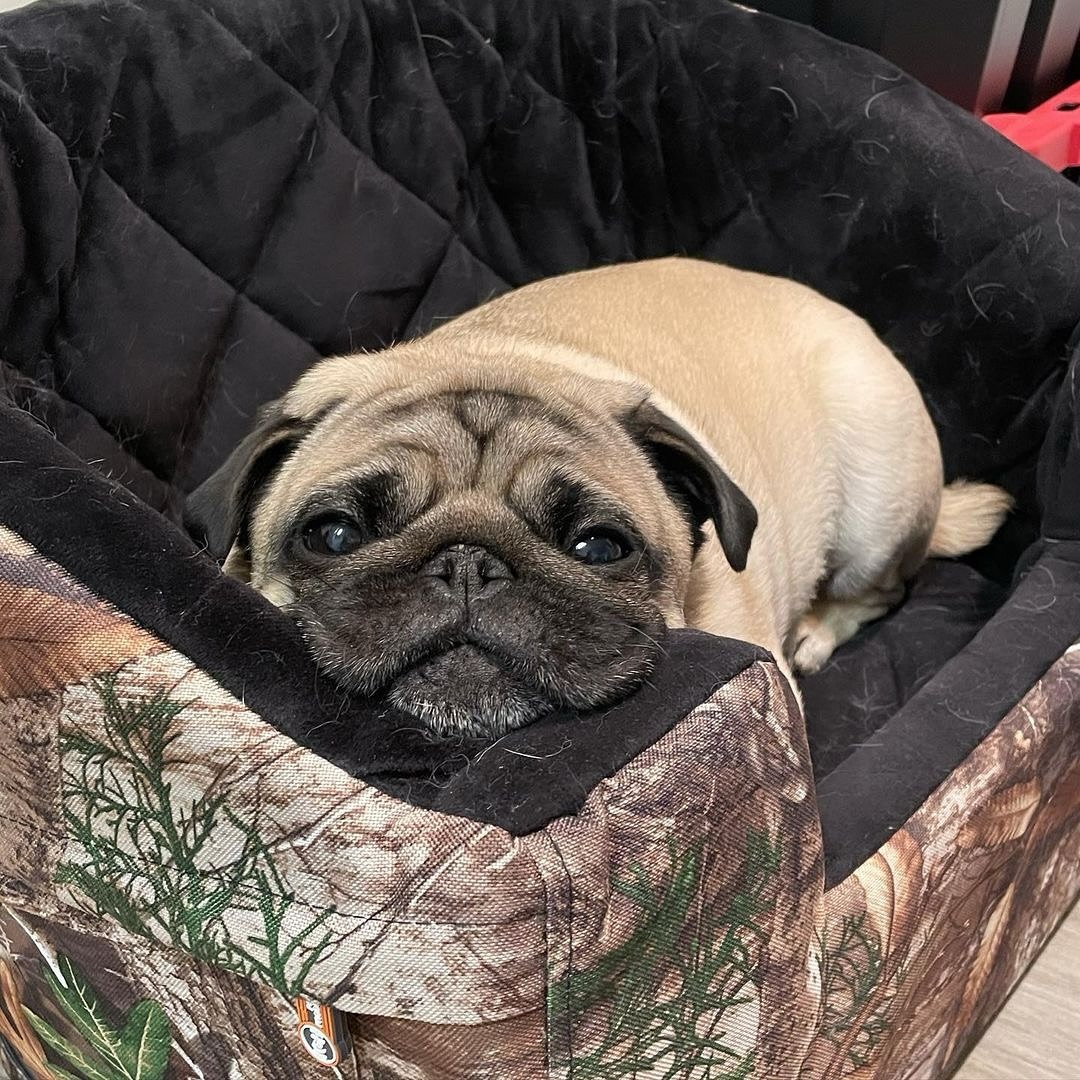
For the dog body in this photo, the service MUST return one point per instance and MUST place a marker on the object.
(596, 457)
(796, 399)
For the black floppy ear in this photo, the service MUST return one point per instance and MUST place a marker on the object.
(696, 481)
(217, 511)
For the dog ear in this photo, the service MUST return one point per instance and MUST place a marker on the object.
(694, 479)
(217, 511)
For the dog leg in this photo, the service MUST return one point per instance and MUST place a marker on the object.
(831, 622)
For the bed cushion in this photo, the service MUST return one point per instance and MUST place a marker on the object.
(196, 202)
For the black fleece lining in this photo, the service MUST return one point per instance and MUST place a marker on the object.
(870, 794)
(123, 551)
(368, 170)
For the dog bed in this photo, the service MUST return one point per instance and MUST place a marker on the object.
(213, 864)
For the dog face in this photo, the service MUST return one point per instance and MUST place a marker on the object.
(480, 552)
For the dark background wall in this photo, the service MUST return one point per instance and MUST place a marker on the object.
(986, 55)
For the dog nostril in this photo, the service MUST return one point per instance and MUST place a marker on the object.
(469, 570)
(442, 567)
(491, 569)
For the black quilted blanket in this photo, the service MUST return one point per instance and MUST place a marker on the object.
(200, 197)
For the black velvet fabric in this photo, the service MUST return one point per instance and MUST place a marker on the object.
(122, 549)
(890, 661)
(199, 199)
(873, 790)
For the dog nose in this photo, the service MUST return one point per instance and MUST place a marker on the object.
(469, 571)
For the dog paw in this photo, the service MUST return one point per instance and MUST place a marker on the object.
(815, 642)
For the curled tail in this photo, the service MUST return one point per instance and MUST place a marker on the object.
(970, 514)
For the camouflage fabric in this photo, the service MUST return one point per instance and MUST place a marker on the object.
(176, 873)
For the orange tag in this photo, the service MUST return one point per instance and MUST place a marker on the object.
(323, 1032)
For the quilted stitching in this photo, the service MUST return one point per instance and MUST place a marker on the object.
(646, 118)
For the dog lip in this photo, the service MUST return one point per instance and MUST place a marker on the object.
(443, 649)
(441, 645)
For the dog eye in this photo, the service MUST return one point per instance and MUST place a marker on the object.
(599, 547)
(332, 536)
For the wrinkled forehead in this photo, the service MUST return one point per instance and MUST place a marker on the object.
(477, 417)
(516, 449)
(421, 370)
(461, 434)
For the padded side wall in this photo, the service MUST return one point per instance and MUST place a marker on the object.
(922, 943)
(894, 772)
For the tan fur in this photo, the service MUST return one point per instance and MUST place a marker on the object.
(969, 516)
(793, 395)
(350, 440)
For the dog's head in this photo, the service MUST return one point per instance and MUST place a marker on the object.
(480, 550)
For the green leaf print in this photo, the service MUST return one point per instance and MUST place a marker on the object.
(661, 1004)
(84, 1011)
(54, 1041)
(857, 990)
(139, 847)
(145, 1041)
(138, 1050)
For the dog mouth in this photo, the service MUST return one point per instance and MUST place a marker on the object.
(480, 681)
(464, 690)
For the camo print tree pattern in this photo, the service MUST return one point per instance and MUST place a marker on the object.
(921, 945)
(175, 870)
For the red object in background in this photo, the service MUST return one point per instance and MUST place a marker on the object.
(1051, 131)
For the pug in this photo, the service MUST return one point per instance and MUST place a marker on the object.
(505, 516)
